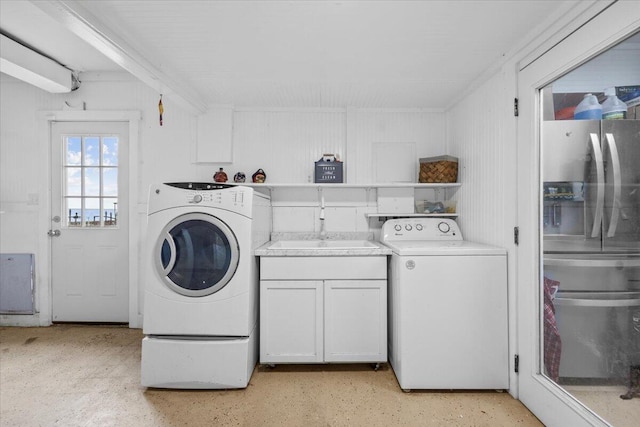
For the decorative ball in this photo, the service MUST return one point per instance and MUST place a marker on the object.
(239, 177)
(259, 176)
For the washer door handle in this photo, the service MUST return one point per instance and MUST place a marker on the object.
(172, 249)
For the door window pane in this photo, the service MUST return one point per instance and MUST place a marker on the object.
(110, 151)
(110, 181)
(74, 211)
(590, 284)
(92, 182)
(91, 151)
(74, 151)
(74, 182)
(92, 212)
(109, 211)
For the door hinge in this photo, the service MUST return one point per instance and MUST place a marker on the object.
(515, 107)
(516, 235)
(516, 363)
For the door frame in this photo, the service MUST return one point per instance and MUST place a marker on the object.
(44, 288)
(550, 403)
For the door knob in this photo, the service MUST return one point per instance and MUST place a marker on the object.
(53, 233)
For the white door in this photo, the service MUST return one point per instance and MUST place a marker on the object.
(89, 222)
(551, 403)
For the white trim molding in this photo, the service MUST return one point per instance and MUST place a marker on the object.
(133, 118)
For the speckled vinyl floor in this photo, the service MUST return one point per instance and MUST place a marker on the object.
(78, 375)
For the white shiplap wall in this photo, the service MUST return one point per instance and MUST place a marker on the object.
(287, 142)
(22, 176)
(284, 142)
(481, 133)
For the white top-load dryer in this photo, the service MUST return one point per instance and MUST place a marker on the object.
(201, 284)
(447, 307)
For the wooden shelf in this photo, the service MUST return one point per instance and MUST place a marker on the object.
(416, 185)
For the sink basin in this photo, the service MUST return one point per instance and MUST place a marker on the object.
(323, 244)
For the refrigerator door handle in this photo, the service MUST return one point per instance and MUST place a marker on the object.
(617, 184)
(597, 152)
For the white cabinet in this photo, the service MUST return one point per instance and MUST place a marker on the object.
(304, 319)
(291, 316)
(355, 321)
(215, 136)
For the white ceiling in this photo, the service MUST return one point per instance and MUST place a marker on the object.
(405, 54)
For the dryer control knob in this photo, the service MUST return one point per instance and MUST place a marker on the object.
(397, 227)
(197, 198)
(419, 227)
(444, 227)
(408, 227)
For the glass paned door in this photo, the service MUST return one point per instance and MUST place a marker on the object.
(553, 402)
(590, 245)
(89, 221)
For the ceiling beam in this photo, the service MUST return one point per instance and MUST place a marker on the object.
(27, 65)
(80, 21)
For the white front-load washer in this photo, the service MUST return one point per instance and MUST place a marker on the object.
(201, 284)
(447, 307)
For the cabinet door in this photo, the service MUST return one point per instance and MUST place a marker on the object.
(355, 321)
(215, 136)
(291, 321)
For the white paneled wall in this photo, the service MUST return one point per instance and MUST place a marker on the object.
(285, 143)
(481, 133)
(370, 127)
(22, 173)
(20, 148)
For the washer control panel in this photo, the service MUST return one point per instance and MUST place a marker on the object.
(420, 229)
(238, 199)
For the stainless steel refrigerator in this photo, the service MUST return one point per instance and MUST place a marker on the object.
(591, 244)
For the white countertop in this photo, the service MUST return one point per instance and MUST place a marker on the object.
(378, 248)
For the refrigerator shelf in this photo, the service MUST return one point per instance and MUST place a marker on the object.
(560, 196)
(593, 262)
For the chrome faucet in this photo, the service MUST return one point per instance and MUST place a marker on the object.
(323, 230)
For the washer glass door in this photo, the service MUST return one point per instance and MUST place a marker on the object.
(196, 254)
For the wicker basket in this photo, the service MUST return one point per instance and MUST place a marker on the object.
(438, 169)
